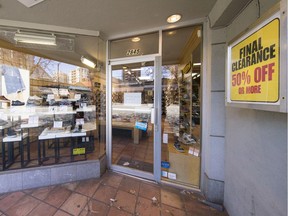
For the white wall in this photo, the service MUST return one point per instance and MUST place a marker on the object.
(255, 149)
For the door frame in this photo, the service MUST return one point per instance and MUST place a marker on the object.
(156, 175)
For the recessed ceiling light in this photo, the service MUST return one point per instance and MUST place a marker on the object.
(136, 39)
(174, 18)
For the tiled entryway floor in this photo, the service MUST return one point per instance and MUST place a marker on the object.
(113, 194)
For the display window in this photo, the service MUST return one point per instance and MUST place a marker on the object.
(181, 105)
(49, 112)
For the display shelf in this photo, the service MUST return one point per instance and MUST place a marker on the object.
(18, 138)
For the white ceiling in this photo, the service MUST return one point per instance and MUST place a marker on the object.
(113, 18)
(110, 17)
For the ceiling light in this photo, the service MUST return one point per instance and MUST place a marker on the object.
(136, 39)
(30, 3)
(196, 64)
(35, 38)
(88, 62)
(171, 32)
(174, 18)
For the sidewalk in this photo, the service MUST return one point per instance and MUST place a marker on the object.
(113, 194)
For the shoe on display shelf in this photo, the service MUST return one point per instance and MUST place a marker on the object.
(4, 99)
(11, 133)
(187, 139)
(3, 123)
(17, 103)
(178, 147)
(34, 101)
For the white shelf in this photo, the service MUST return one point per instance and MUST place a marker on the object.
(15, 139)
(65, 134)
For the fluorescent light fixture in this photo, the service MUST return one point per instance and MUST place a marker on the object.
(174, 18)
(196, 64)
(35, 38)
(30, 3)
(136, 39)
(147, 78)
(88, 62)
(136, 69)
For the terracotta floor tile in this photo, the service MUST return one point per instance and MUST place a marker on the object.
(96, 208)
(104, 193)
(75, 203)
(23, 207)
(112, 179)
(70, 186)
(61, 213)
(43, 208)
(10, 200)
(88, 187)
(125, 201)
(149, 191)
(41, 193)
(57, 196)
(171, 198)
(168, 211)
(130, 185)
(146, 207)
(118, 212)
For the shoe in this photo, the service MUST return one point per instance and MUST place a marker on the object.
(187, 139)
(11, 133)
(34, 101)
(178, 147)
(4, 99)
(17, 103)
(2, 122)
(35, 97)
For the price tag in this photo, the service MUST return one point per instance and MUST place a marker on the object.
(78, 151)
(83, 105)
(50, 97)
(63, 108)
(52, 108)
(77, 96)
(58, 124)
(80, 121)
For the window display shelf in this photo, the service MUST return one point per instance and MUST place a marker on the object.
(17, 138)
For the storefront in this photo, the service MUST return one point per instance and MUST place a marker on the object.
(176, 105)
(53, 113)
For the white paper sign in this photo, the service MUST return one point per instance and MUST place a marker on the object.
(164, 174)
(172, 176)
(132, 98)
(165, 138)
(58, 124)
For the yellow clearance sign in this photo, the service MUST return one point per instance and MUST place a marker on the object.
(254, 75)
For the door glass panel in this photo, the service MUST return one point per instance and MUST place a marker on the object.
(181, 101)
(132, 103)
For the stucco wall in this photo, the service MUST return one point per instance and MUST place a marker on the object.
(255, 149)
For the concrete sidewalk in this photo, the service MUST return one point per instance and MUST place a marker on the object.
(113, 194)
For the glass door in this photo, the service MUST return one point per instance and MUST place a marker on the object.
(133, 118)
